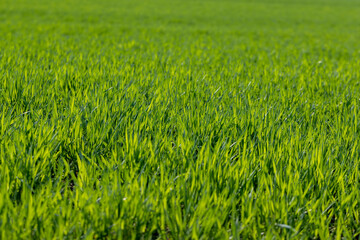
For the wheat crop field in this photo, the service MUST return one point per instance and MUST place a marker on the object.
(159, 119)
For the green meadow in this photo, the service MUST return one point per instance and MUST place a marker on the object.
(204, 119)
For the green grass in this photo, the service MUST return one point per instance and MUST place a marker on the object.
(179, 119)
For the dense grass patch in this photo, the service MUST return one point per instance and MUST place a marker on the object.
(179, 119)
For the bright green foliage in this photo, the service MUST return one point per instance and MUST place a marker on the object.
(129, 119)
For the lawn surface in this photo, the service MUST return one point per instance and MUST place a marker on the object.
(185, 119)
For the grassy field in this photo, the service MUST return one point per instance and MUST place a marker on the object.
(185, 119)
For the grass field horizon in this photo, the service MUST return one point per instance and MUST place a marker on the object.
(179, 119)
